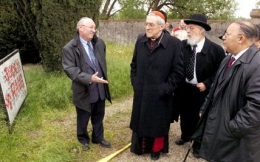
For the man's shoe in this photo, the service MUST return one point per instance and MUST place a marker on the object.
(155, 155)
(85, 147)
(103, 143)
(196, 154)
(180, 141)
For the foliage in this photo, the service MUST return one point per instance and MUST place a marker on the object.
(59, 26)
(257, 5)
(133, 9)
(215, 9)
(50, 24)
(44, 129)
(13, 36)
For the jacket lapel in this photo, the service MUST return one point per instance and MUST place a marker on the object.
(244, 59)
(86, 57)
(97, 54)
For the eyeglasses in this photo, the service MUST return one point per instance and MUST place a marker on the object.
(228, 34)
(90, 27)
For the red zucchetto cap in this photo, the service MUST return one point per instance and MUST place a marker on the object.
(158, 13)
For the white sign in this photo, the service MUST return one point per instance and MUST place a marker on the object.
(13, 85)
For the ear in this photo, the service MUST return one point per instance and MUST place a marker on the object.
(162, 26)
(241, 38)
(80, 27)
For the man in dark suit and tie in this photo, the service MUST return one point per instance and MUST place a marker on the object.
(202, 58)
(84, 62)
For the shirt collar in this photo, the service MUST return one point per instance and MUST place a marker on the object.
(239, 54)
(200, 45)
(82, 40)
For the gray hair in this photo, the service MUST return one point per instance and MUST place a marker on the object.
(82, 21)
(257, 32)
(248, 29)
(160, 21)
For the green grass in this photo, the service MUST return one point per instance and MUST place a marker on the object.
(118, 64)
(45, 128)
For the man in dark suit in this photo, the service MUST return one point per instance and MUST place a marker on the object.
(202, 58)
(83, 60)
(229, 128)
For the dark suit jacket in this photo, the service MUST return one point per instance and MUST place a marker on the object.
(80, 71)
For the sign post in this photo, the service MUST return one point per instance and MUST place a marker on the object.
(13, 85)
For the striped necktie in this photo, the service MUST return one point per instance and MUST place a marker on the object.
(91, 54)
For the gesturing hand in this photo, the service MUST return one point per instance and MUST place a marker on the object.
(96, 79)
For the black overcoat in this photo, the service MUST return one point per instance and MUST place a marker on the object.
(154, 75)
(230, 124)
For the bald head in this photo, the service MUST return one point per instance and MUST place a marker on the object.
(248, 29)
(84, 20)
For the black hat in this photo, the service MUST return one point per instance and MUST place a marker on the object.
(200, 20)
(164, 14)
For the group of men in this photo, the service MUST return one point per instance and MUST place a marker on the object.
(217, 101)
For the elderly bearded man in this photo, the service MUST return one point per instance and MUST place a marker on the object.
(156, 70)
(202, 58)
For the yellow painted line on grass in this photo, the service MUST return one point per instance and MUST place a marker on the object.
(106, 159)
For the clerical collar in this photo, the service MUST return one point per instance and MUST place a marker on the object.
(158, 39)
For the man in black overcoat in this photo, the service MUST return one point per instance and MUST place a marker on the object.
(156, 70)
(202, 58)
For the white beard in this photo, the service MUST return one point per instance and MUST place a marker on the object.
(193, 40)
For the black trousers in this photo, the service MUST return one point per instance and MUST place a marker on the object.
(96, 116)
(192, 100)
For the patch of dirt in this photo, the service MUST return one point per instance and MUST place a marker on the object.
(176, 153)
(36, 134)
(31, 66)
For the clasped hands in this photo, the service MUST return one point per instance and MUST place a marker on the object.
(97, 79)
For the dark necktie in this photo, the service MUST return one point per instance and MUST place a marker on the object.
(91, 54)
(152, 43)
(190, 69)
(230, 62)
